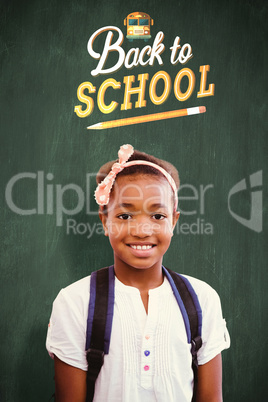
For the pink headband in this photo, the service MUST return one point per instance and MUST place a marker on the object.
(102, 193)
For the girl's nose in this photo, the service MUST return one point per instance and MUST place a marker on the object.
(141, 228)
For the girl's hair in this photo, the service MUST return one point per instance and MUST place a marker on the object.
(140, 169)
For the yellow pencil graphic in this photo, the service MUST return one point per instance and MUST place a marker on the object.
(149, 117)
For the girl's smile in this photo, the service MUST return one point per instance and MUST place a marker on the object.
(141, 249)
(140, 221)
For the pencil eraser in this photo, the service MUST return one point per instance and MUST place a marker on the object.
(202, 109)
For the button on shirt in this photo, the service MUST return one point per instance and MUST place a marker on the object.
(149, 357)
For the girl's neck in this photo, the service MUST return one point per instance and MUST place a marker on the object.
(142, 279)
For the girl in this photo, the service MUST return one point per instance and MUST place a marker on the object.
(149, 357)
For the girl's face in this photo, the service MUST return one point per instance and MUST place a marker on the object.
(140, 220)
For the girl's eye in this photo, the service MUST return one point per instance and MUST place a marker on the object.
(124, 216)
(158, 217)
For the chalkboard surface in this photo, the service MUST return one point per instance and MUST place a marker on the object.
(50, 231)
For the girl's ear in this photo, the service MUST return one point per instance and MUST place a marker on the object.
(103, 218)
(176, 216)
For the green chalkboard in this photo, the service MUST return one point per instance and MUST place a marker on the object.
(50, 230)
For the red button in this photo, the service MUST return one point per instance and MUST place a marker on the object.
(146, 368)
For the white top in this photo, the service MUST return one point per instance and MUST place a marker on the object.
(149, 357)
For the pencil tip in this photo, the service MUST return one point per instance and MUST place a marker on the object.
(96, 126)
(202, 109)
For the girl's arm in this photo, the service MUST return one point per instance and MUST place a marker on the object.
(70, 382)
(209, 386)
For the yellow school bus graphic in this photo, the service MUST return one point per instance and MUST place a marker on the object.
(138, 26)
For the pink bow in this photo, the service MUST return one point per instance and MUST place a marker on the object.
(102, 193)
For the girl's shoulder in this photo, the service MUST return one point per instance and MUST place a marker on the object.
(205, 293)
(195, 282)
(74, 295)
(78, 286)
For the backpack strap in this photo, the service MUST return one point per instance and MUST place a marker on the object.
(99, 324)
(192, 315)
(100, 316)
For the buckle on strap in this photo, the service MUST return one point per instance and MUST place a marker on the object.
(95, 359)
(196, 345)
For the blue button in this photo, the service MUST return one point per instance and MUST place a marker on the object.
(147, 352)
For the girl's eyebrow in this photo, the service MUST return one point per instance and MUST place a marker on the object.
(125, 205)
(156, 206)
(151, 207)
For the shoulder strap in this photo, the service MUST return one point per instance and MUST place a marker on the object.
(99, 324)
(192, 315)
(100, 316)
